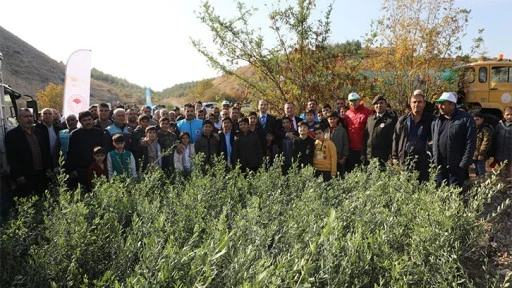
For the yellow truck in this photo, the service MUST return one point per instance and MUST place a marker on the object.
(487, 86)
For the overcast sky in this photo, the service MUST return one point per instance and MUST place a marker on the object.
(148, 42)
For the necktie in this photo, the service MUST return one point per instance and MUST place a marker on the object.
(263, 120)
(293, 126)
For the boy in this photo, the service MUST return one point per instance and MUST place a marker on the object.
(325, 156)
(120, 161)
(503, 140)
(303, 146)
(97, 168)
(286, 137)
(310, 120)
(483, 143)
(338, 135)
(151, 149)
(208, 143)
(166, 139)
(248, 147)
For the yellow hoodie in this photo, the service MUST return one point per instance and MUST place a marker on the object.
(325, 156)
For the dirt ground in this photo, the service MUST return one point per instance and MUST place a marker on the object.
(497, 247)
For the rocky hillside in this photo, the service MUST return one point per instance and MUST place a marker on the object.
(27, 70)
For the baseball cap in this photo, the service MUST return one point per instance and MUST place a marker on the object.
(225, 102)
(447, 96)
(353, 96)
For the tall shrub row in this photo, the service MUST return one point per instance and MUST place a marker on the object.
(229, 229)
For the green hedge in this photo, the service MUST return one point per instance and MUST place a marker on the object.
(227, 229)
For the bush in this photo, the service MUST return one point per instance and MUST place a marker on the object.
(228, 229)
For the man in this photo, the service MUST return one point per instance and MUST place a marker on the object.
(356, 119)
(71, 123)
(340, 102)
(378, 135)
(217, 119)
(50, 133)
(312, 105)
(411, 137)
(103, 120)
(80, 151)
(94, 111)
(454, 141)
(267, 121)
(285, 142)
(226, 105)
(118, 127)
(131, 117)
(235, 116)
(227, 142)
(28, 156)
(198, 106)
(289, 111)
(190, 124)
(138, 134)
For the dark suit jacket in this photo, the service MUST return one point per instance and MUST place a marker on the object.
(270, 124)
(46, 141)
(19, 155)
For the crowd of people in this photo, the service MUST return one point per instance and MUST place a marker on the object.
(333, 139)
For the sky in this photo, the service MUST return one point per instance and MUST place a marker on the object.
(148, 42)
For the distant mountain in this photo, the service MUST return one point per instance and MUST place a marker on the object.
(27, 70)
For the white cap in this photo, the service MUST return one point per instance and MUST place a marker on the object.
(353, 96)
(448, 96)
(225, 102)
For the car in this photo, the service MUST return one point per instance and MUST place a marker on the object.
(209, 105)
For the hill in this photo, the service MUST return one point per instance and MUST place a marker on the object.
(28, 70)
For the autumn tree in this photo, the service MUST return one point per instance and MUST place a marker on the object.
(413, 42)
(298, 64)
(51, 97)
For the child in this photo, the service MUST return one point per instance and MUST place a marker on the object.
(270, 149)
(325, 155)
(151, 151)
(166, 139)
(483, 143)
(208, 143)
(503, 141)
(97, 168)
(120, 161)
(248, 147)
(303, 146)
(310, 120)
(182, 161)
(338, 135)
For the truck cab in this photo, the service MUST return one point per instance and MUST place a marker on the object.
(488, 86)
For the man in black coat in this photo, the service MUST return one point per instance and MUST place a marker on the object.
(28, 156)
(81, 144)
(454, 141)
(378, 135)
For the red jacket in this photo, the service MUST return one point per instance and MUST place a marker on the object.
(356, 123)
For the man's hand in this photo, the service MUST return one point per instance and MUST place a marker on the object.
(480, 158)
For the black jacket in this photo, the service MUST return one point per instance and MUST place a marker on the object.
(19, 155)
(401, 136)
(248, 150)
(378, 136)
(46, 141)
(461, 140)
(209, 146)
(81, 144)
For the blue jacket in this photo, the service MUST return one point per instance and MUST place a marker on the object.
(193, 127)
(461, 139)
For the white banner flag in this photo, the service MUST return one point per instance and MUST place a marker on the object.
(77, 86)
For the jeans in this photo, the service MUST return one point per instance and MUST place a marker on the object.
(479, 167)
(453, 175)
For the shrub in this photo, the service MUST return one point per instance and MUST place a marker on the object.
(230, 229)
